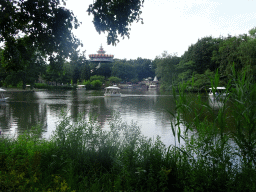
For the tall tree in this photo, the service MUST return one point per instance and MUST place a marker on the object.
(166, 69)
(103, 69)
(80, 67)
(46, 24)
(25, 63)
(55, 70)
(124, 70)
(198, 58)
(227, 55)
(2, 70)
(143, 68)
(247, 55)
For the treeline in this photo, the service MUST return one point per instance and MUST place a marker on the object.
(202, 59)
(198, 64)
(36, 67)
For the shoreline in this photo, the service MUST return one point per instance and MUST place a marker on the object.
(14, 90)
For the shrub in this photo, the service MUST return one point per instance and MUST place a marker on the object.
(113, 79)
(96, 84)
(97, 77)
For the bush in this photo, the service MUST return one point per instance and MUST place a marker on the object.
(96, 84)
(113, 79)
(41, 86)
(97, 77)
(88, 84)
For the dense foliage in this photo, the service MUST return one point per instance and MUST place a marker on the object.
(202, 59)
(33, 31)
(115, 17)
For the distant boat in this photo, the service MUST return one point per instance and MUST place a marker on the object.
(112, 91)
(81, 87)
(2, 97)
(152, 87)
(220, 92)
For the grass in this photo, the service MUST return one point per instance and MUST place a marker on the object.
(80, 156)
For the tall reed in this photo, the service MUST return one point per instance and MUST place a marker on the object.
(219, 144)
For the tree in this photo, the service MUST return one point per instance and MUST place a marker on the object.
(113, 79)
(203, 81)
(55, 70)
(80, 67)
(67, 73)
(115, 17)
(227, 55)
(2, 70)
(25, 63)
(103, 69)
(46, 25)
(247, 55)
(124, 70)
(166, 69)
(202, 54)
(198, 58)
(143, 68)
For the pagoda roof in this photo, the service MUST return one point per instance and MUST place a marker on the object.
(101, 56)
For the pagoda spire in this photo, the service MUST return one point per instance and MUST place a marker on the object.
(101, 50)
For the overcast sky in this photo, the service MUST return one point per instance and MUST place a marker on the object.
(169, 25)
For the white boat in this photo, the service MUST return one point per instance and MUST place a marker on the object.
(152, 86)
(220, 92)
(81, 87)
(2, 97)
(112, 91)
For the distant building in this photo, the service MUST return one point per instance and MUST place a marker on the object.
(101, 57)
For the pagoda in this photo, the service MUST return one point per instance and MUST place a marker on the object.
(101, 56)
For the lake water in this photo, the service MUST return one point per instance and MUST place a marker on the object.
(148, 108)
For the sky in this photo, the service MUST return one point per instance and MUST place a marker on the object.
(169, 25)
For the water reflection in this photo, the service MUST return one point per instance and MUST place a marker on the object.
(147, 108)
(215, 103)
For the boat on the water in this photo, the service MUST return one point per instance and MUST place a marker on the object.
(112, 91)
(81, 87)
(2, 97)
(152, 87)
(218, 92)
